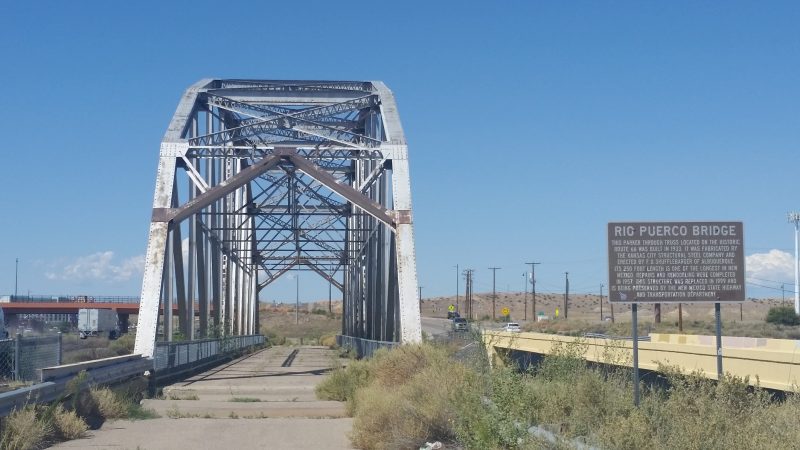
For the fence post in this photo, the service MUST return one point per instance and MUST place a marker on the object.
(17, 345)
(60, 348)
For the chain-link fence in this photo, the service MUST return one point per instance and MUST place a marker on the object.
(21, 356)
(170, 355)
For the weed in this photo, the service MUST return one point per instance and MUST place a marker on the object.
(178, 395)
(109, 405)
(68, 425)
(245, 400)
(22, 430)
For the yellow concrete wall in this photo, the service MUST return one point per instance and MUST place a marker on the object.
(770, 363)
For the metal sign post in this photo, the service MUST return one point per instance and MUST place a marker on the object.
(717, 316)
(635, 334)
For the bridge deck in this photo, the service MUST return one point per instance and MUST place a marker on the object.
(273, 389)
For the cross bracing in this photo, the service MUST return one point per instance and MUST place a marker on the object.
(259, 178)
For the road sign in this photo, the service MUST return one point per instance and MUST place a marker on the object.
(451, 308)
(505, 311)
(678, 262)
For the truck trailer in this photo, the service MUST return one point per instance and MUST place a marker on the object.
(95, 322)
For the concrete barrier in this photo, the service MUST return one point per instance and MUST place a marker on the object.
(769, 363)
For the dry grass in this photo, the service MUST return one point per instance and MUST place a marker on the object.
(22, 430)
(68, 425)
(413, 394)
(399, 398)
(109, 405)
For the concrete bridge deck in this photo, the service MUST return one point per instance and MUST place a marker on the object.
(262, 400)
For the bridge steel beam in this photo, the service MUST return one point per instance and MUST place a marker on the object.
(268, 177)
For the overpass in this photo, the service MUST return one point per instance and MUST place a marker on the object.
(770, 363)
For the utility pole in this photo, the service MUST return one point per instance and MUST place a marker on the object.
(16, 278)
(457, 275)
(783, 295)
(525, 298)
(420, 294)
(794, 217)
(533, 287)
(566, 295)
(601, 301)
(297, 300)
(330, 308)
(468, 292)
(494, 290)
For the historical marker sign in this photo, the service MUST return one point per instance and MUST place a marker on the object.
(679, 262)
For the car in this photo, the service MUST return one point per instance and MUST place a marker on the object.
(460, 324)
(512, 327)
(452, 314)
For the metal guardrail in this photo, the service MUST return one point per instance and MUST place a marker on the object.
(104, 371)
(175, 355)
(615, 338)
(364, 348)
(171, 357)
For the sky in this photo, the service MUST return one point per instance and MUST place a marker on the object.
(531, 125)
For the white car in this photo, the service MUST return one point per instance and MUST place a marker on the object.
(512, 327)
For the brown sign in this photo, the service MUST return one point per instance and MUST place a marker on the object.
(679, 262)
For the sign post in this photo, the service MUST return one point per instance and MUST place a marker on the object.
(675, 262)
(635, 335)
(717, 316)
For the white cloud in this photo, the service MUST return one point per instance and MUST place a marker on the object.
(774, 265)
(100, 266)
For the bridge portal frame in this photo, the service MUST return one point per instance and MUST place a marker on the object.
(247, 146)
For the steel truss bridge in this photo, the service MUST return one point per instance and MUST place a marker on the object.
(265, 177)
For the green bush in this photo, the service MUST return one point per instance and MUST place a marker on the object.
(783, 315)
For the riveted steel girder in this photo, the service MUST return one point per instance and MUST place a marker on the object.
(265, 177)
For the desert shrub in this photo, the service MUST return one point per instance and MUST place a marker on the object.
(68, 425)
(328, 340)
(342, 383)
(109, 404)
(22, 430)
(123, 345)
(783, 315)
(418, 408)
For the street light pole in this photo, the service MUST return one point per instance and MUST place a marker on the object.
(16, 278)
(794, 217)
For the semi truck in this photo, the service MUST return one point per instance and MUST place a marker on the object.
(96, 322)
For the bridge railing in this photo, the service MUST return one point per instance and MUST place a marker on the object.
(363, 348)
(176, 355)
(68, 299)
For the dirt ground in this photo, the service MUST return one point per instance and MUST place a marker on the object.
(315, 321)
(587, 308)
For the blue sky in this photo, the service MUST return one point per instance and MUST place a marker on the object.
(531, 125)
